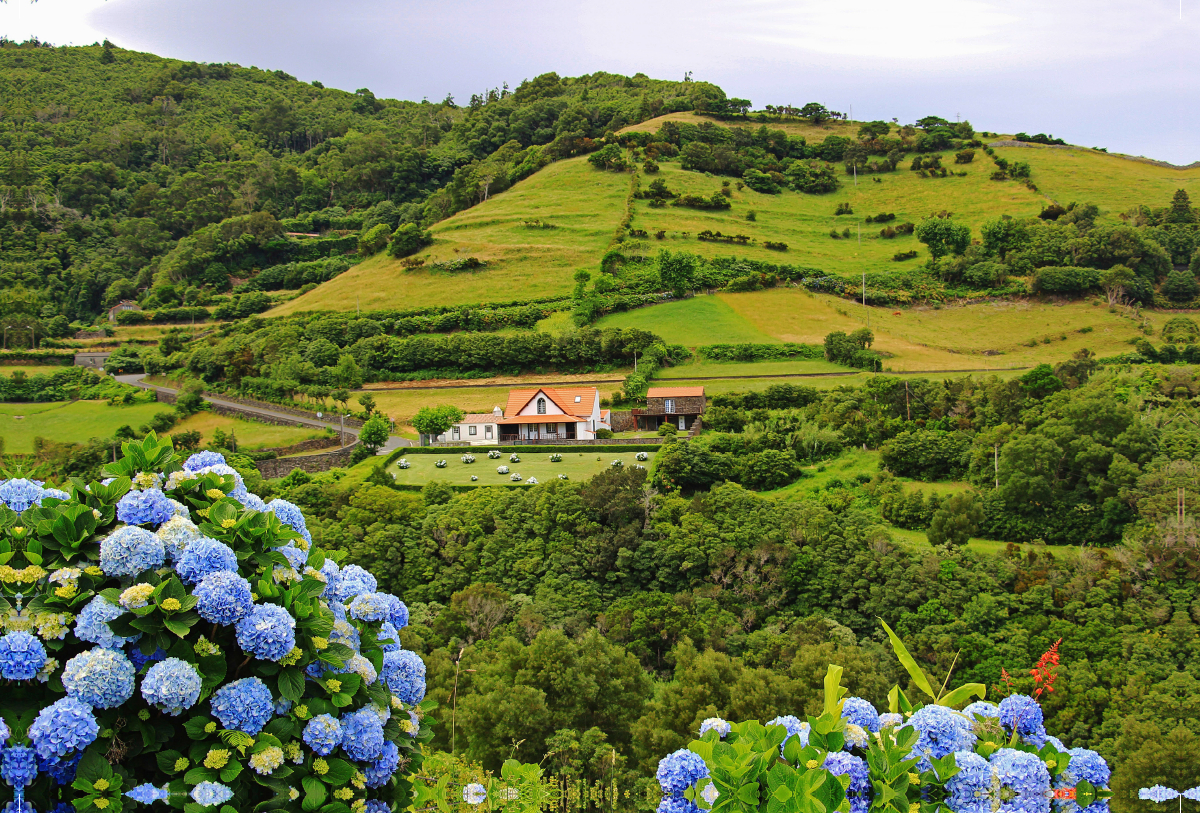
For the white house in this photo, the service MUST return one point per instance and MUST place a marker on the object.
(543, 413)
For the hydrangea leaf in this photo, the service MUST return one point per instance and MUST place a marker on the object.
(909, 663)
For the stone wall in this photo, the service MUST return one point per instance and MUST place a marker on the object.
(302, 447)
(283, 466)
(622, 421)
(684, 405)
(303, 413)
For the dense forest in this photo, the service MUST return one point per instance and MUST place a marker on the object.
(126, 175)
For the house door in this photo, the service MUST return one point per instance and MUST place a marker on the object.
(682, 422)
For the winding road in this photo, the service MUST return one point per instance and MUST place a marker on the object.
(394, 441)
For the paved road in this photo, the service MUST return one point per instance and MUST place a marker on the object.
(394, 441)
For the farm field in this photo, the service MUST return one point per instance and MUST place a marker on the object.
(30, 369)
(992, 335)
(694, 321)
(250, 434)
(584, 205)
(749, 369)
(67, 421)
(576, 465)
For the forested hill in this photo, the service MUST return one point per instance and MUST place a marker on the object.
(111, 157)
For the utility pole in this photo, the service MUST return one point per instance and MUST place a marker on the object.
(342, 434)
(996, 462)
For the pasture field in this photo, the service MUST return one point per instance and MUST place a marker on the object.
(250, 434)
(31, 369)
(984, 335)
(694, 321)
(1112, 182)
(576, 465)
(68, 421)
(584, 206)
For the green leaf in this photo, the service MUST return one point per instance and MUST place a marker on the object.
(314, 793)
(200, 774)
(339, 772)
(833, 690)
(291, 684)
(195, 728)
(898, 701)
(963, 694)
(909, 663)
(230, 771)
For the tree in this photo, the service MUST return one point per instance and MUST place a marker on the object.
(1001, 235)
(1181, 286)
(677, 271)
(341, 396)
(374, 433)
(1040, 381)
(815, 112)
(873, 130)
(348, 374)
(1116, 282)
(106, 56)
(436, 420)
(610, 156)
(408, 239)
(374, 239)
(367, 402)
(943, 236)
(955, 522)
(190, 400)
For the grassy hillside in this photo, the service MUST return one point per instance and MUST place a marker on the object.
(584, 206)
(987, 335)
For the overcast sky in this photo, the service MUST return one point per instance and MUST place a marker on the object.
(1121, 74)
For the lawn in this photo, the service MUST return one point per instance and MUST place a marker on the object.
(68, 421)
(250, 434)
(576, 465)
(693, 321)
(583, 204)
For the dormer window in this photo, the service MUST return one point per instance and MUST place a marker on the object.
(578, 398)
(541, 406)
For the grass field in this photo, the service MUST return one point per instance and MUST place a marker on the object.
(68, 421)
(584, 204)
(576, 465)
(749, 369)
(31, 369)
(250, 434)
(1111, 182)
(992, 335)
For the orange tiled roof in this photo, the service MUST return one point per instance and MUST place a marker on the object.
(675, 392)
(564, 397)
(480, 417)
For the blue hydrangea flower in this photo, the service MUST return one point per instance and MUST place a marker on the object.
(239, 485)
(172, 685)
(942, 731)
(92, 624)
(337, 608)
(62, 728)
(839, 763)
(715, 724)
(208, 794)
(389, 637)
(354, 581)
(5, 733)
(296, 557)
(1057, 743)
(22, 656)
(204, 556)
(245, 705)
(677, 804)
(140, 659)
(861, 713)
(202, 460)
(147, 507)
(399, 617)
(891, 719)
(253, 502)
(130, 550)
(981, 708)
(290, 516)
(26, 807)
(61, 769)
(404, 675)
(970, 789)
(176, 534)
(1023, 713)
(19, 494)
(19, 766)
(343, 633)
(362, 735)
(54, 494)
(370, 607)
(1023, 778)
(1158, 793)
(1087, 765)
(148, 794)
(268, 632)
(323, 734)
(376, 806)
(679, 771)
(795, 728)
(223, 597)
(99, 677)
(381, 770)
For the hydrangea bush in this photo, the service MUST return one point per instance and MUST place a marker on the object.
(168, 636)
(984, 758)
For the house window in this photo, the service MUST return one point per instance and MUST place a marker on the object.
(487, 431)
(578, 398)
(670, 405)
(471, 430)
(541, 406)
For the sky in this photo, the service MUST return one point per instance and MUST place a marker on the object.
(1119, 74)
